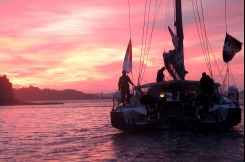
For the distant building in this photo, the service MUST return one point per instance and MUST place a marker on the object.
(5, 89)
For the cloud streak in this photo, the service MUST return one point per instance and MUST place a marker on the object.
(81, 44)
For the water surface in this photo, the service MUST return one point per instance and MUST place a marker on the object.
(81, 131)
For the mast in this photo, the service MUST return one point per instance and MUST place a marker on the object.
(179, 28)
(174, 59)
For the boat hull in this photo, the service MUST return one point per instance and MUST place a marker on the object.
(177, 123)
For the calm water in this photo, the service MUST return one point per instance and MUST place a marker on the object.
(81, 131)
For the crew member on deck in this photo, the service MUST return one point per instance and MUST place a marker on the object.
(123, 85)
(207, 84)
(160, 75)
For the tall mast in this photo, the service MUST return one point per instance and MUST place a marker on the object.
(179, 28)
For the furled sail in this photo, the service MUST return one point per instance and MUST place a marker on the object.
(174, 38)
(174, 64)
(174, 59)
(127, 63)
(231, 47)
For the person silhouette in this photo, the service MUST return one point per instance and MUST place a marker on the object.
(207, 84)
(123, 86)
(160, 75)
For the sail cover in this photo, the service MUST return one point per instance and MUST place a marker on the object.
(174, 64)
(174, 38)
(173, 59)
(231, 47)
(127, 63)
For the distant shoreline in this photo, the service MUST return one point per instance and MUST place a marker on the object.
(19, 103)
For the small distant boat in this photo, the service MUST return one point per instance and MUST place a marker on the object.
(177, 104)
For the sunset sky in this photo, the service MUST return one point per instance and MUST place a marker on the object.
(80, 44)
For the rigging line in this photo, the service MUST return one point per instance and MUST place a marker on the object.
(220, 74)
(215, 61)
(226, 78)
(200, 31)
(223, 83)
(142, 59)
(144, 54)
(129, 17)
(142, 40)
(153, 26)
(229, 66)
(169, 77)
(169, 22)
(138, 72)
(132, 60)
(166, 23)
(148, 17)
(207, 42)
(208, 45)
(154, 22)
(225, 18)
(202, 27)
(202, 37)
(135, 70)
(130, 29)
(174, 4)
(165, 44)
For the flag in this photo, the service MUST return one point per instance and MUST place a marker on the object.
(127, 63)
(231, 47)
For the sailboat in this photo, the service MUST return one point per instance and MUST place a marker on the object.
(178, 104)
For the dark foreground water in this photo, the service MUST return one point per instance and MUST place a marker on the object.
(81, 131)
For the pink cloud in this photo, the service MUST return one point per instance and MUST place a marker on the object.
(86, 40)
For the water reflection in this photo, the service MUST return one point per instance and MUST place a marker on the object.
(178, 146)
(71, 132)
